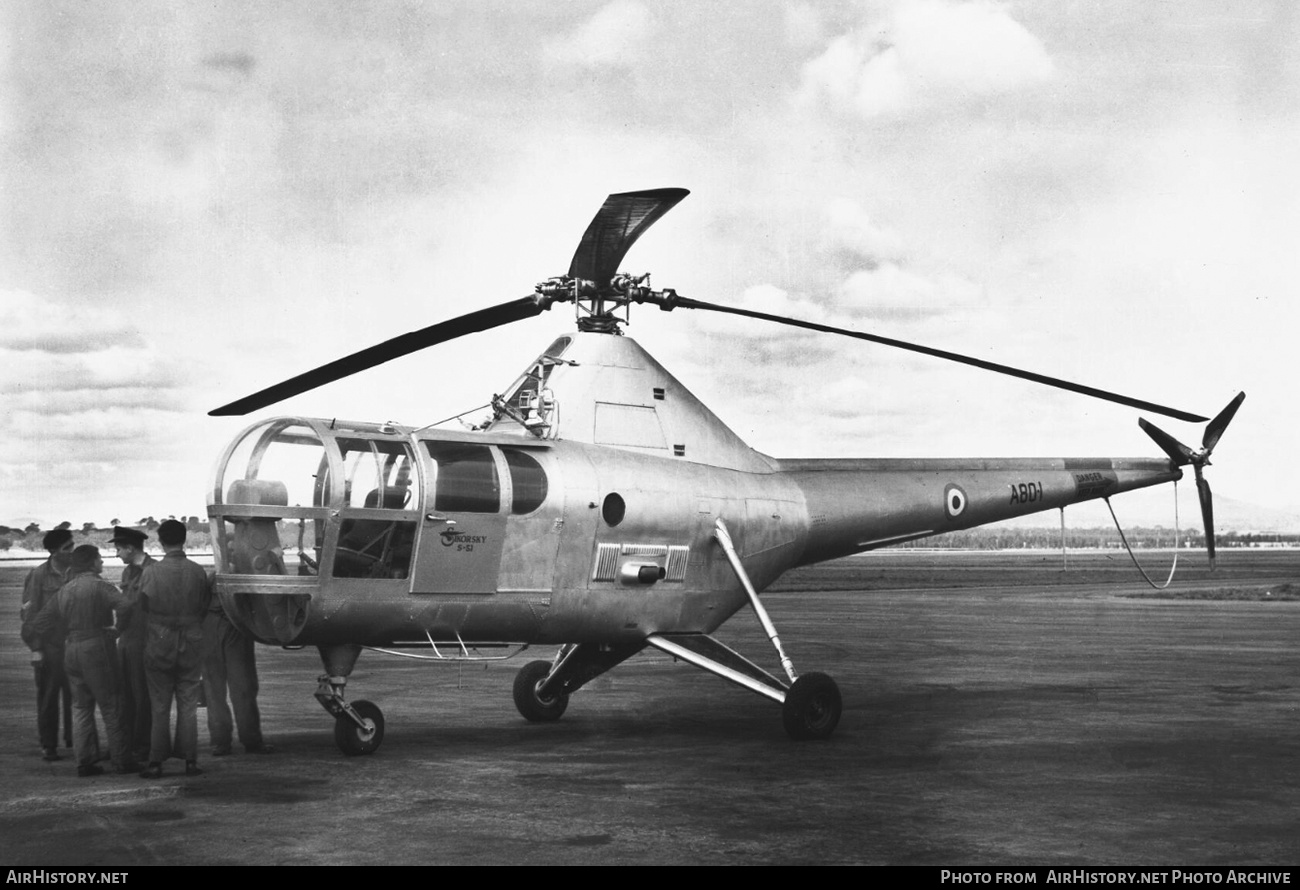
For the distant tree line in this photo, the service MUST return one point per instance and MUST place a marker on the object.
(29, 537)
(986, 538)
(1100, 538)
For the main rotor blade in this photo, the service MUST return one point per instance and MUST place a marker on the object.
(1214, 431)
(621, 220)
(952, 357)
(482, 320)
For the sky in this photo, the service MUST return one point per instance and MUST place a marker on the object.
(202, 199)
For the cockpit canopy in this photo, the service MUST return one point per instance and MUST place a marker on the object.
(350, 496)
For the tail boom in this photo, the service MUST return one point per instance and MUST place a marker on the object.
(857, 505)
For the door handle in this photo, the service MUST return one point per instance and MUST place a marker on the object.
(434, 517)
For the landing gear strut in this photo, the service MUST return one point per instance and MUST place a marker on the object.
(359, 726)
(810, 705)
(542, 688)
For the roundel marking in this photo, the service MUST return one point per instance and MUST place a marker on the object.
(954, 500)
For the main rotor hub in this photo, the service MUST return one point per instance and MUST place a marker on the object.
(595, 306)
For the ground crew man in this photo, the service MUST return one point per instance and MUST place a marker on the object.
(229, 662)
(41, 587)
(175, 592)
(83, 609)
(136, 708)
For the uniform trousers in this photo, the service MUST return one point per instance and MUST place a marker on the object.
(137, 708)
(173, 660)
(229, 663)
(93, 673)
(51, 684)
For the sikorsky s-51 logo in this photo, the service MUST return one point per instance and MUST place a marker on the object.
(460, 540)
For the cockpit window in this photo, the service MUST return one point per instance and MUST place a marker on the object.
(466, 478)
(278, 465)
(268, 488)
(378, 475)
(527, 481)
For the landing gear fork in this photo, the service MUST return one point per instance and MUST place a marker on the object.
(358, 727)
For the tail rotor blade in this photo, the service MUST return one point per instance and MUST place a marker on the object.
(1179, 453)
(482, 320)
(1207, 512)
(1214, 430)
(621, 220)
(1095, 393)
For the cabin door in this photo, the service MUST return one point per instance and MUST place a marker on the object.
(463, 525)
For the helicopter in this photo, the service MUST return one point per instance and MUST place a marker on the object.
(602, 508)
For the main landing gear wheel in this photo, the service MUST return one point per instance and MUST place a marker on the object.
(352, 739)
(529, 703)
(812, 707)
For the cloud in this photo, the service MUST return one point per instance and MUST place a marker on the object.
(929, 54)
(29, 324)
(856, 239)
(238, 62)
(893, 289)
(71, 401)
(62, 359)
(803, 24)
(611, 37)
(98, 425)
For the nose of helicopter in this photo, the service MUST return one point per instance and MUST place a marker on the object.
(275, 616)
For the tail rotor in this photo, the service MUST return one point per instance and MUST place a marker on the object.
(1182, 456)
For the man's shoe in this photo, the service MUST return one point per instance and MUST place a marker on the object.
(50, 754)
(192, 768)
(259, 749)
(93, 769)
(220, 750)
(152, 771)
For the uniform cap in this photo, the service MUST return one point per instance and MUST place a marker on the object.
(124, 535)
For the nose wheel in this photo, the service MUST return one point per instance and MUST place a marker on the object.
(358, 725)
(356, 738)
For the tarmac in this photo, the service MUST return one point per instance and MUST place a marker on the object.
(997, 711)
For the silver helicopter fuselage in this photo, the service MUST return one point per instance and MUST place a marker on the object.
(586, 511)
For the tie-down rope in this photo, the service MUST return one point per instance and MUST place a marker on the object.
(1153, 584)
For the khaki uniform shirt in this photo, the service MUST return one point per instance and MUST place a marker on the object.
(40, 588)
(175, 591)
(132, 627)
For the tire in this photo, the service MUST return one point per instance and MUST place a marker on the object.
(352, 739)
(534, 708)
(812, 707)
